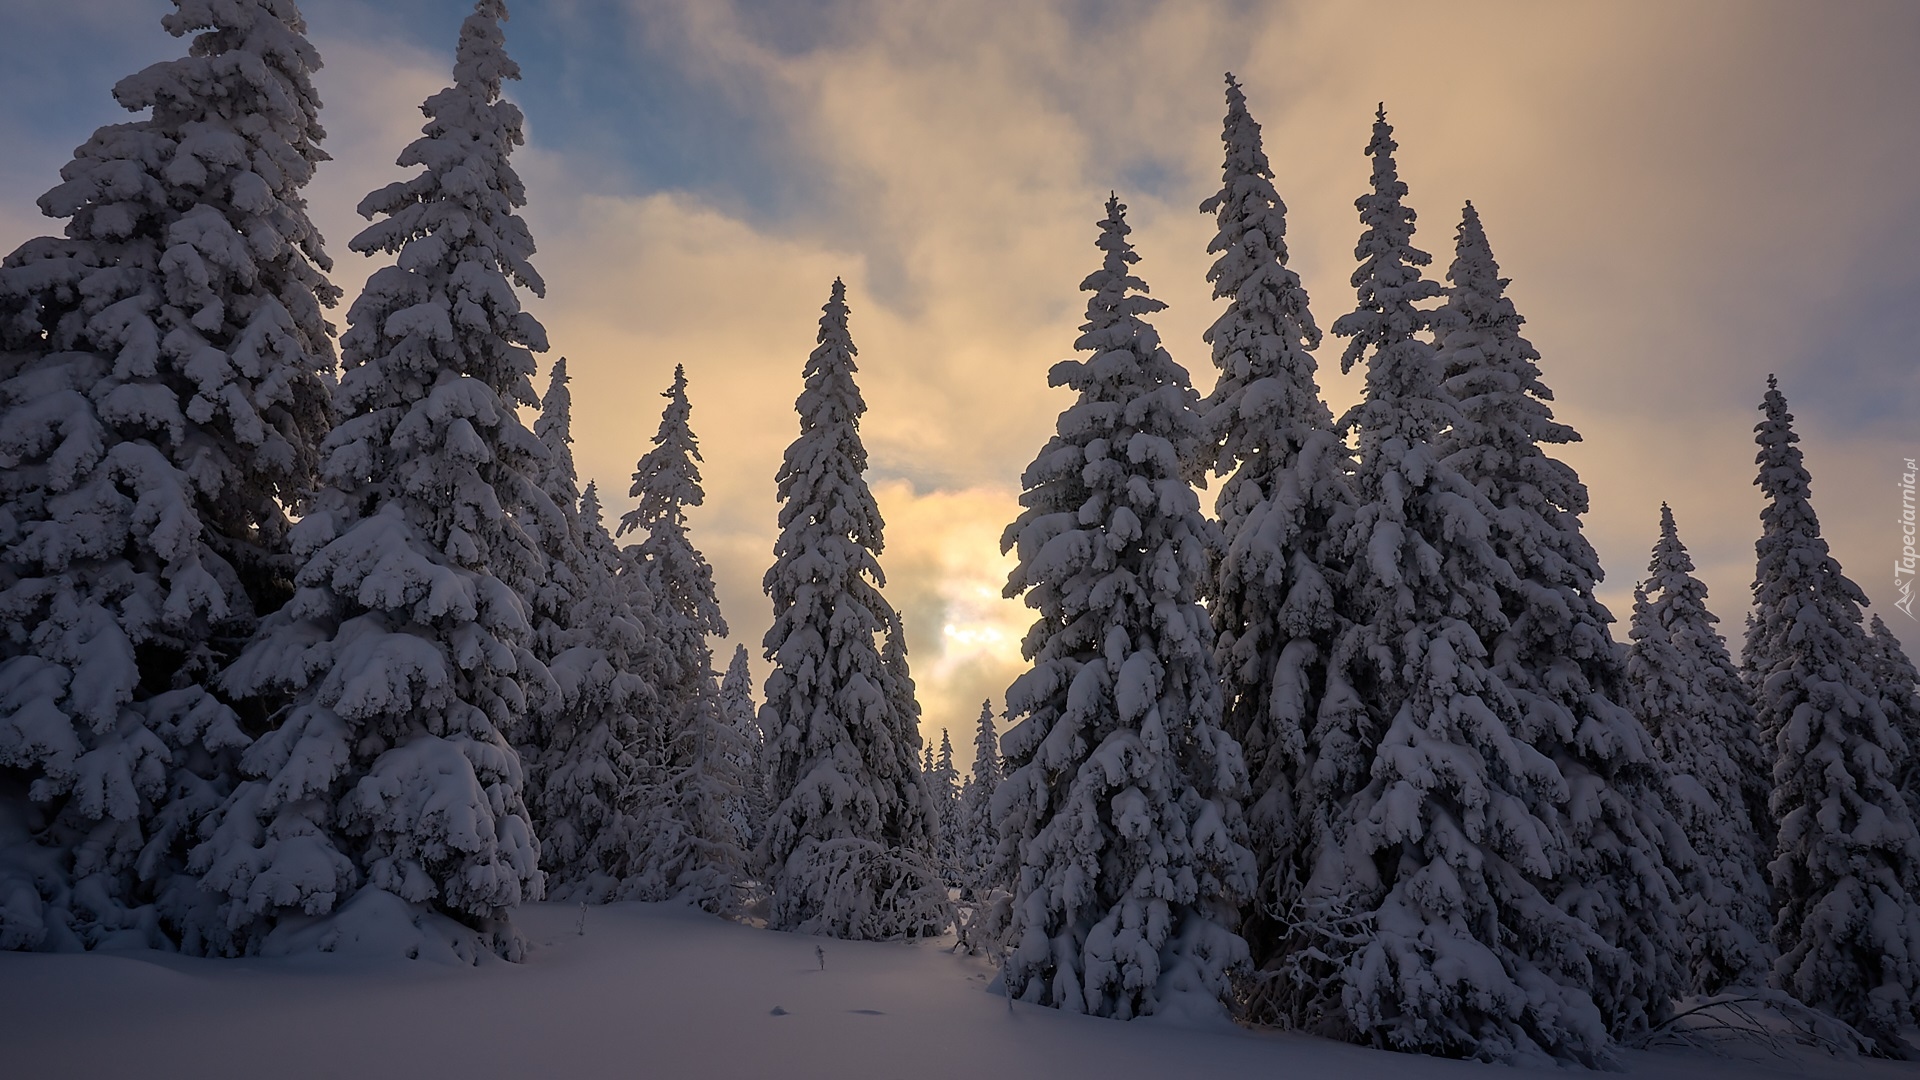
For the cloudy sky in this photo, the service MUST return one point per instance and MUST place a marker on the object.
(1686, 196)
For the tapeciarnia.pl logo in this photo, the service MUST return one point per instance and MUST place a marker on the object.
(1904, 566)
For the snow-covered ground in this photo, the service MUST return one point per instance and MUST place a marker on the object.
(653, 991)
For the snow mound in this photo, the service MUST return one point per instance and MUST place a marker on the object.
(377, 925)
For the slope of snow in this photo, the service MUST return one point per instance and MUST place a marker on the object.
(652, 990)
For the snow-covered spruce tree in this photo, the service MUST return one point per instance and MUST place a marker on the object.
(685, 846)
(944, 782)
(554, 525)
(1899, 687)
(848, 848)
(922, 813)
(567, 580)
(585, 769)
(594, 633)
(942, 842)
(164, 373)
(1433, 911)
(1846, 860)
(403, 656)
(947, 785)
(1120, 808)
(1284, 499)
(1684, 687)
(748, 814)
(1554, 652)
(978, 839)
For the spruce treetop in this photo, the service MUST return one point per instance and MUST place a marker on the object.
(554, 428)
(821, 482)
(1267, 331)
(986, 751)
(439, 353)
(826, 509)
(1670, 574)
(1119, 297)
(1793, 566)
(737, 683)
(596, 542)
(459, 211)
(1676, 656)
(236, 121)
(1403, 399)
(1494, 373)
(1882, 633)
(1406, 494)
(977, 835)
(667, 479)
(1133, 418)
(594, 537)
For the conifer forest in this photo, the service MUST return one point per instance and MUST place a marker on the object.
(322, 657)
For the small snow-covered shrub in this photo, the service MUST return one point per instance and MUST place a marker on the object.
(857, 889)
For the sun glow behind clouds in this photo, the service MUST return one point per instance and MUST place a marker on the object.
(973, 630)
(945, 574)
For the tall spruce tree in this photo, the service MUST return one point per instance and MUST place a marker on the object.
(595, 633)
(1684, 686)
(848, 848)
(944, 782)
(1554, 652)
(978, 838)
(403, 655)
(164, 370)
(689, 849)
(555, 606)
(749, 813)
(1284, 499)
(568, 579)
(586, 768)
(1120, 808)
(1436, 908)
(949, 780)
(922, 813)
(1846, 861)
